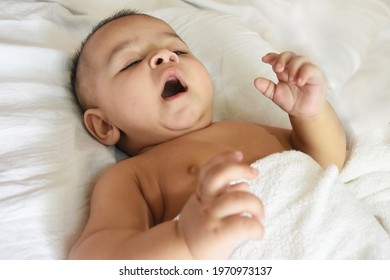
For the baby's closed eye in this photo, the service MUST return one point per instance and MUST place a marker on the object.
(178, 52)
(131, 64)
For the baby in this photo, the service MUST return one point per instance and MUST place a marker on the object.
(142, 89)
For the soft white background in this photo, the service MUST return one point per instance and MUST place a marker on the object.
(48, 163)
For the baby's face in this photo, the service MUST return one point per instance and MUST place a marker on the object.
(146, 81)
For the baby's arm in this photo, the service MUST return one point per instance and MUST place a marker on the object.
(210, 225)
(316, 129)
(120, 223)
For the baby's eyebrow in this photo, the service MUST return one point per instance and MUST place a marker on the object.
(125, 44)
(174, 35)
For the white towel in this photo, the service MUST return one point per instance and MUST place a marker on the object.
(367, 173)
(312, 213)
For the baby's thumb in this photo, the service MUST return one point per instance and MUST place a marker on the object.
(265, 86)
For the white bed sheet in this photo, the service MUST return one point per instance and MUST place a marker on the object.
(48, 161)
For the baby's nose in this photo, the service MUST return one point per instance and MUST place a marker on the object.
(163, 56)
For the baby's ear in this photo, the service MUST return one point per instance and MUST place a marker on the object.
(99, 128)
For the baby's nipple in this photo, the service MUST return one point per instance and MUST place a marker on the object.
(193, 170)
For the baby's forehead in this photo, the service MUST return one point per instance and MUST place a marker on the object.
(125, 27)
(131, 24)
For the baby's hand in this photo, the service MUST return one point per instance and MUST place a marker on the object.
(301, 88)
(219, 216)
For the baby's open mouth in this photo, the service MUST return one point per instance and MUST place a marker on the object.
(172, 87)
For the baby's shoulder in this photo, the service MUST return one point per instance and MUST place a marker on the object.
(120, 172)
(119, 186)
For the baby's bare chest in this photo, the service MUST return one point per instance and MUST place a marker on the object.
(171, 173)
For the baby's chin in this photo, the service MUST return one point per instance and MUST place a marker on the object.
(188, 122)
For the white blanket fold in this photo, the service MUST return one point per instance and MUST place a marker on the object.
(312, 213)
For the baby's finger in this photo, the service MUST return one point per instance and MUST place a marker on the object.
(218, 177)
(293, 67)
(265, 86)
(241, 227)
(236, 203)
(233, 157)
(282, 60)
(241, 186)
(306, 74)
(269, 58)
